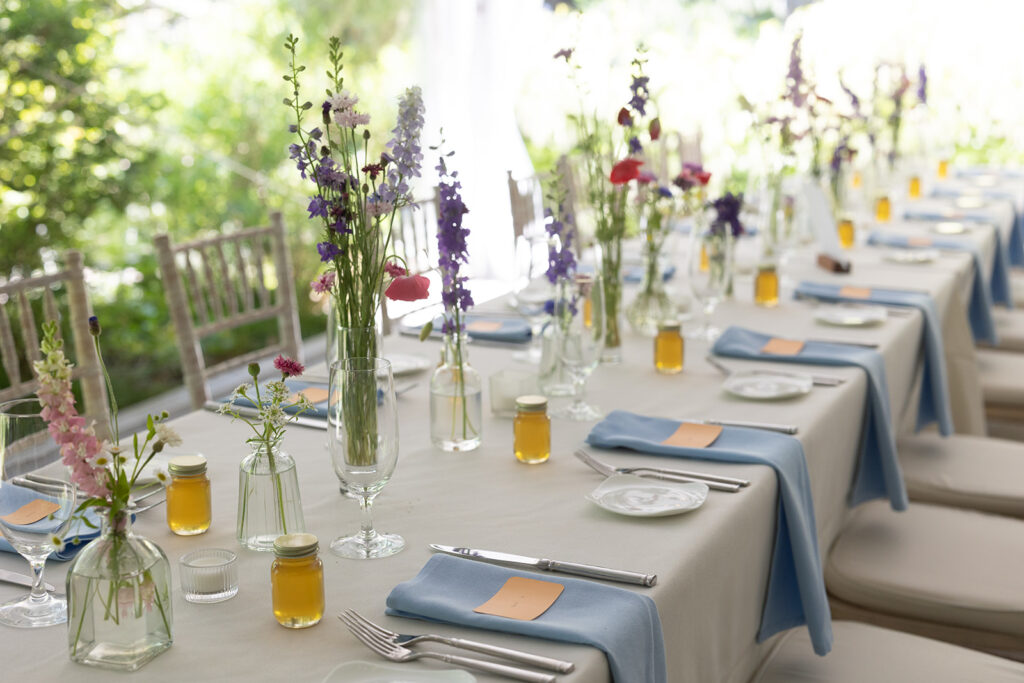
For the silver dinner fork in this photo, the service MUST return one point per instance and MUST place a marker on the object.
(396, 653)
(133, 502)
(483, 648)
(713, 481)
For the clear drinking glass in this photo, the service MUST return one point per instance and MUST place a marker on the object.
(362, 437)
(709, 266)
(579, 322)
(34, 517)
(531, 291)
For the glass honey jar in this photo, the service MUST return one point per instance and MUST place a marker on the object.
(883, 209)
(846, 233)
(766, 285)
(531, 430)
(668, 348)
(943, 170)
(914, 189)
(297, 581)
(188, 495)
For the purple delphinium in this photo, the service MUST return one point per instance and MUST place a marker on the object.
(328, 251)
(922, 85)
(640, 94)
(451, 248)
(727, 214)
(795, 88)
(560, 229)
(854, 100)
(405, 153)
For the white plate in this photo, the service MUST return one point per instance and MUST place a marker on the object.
(913, 256)
(628, 494)
(970, 202)
(951, 228)
(765, 385)
(407, 364)
(373, 672)
(847, 314)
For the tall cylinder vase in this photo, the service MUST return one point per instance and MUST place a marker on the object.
(350, 342)
(611, 273)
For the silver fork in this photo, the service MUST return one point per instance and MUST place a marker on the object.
(483, 648)
(396, 653)
(133, 501)
(713, 481)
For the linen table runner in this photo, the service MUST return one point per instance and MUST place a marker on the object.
(796, 586)
(624, 624)
(935, 403)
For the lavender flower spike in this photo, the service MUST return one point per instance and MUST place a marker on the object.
(406, 155)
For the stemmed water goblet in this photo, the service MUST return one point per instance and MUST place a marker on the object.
(362, 438)
(579, 324)
(531, 291)
(709, 267)
(34, 517)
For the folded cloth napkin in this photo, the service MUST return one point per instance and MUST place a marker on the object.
(935, 404)
(319, 409)
(979, 308)
(636, 273)
(622, 623)
(78, 533)
(483, 328)
(1016, 245)
(796, 585)
(878, 468)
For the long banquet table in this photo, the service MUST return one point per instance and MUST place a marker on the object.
(712, 564)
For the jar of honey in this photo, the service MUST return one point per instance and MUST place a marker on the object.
(297, 581)
(531, 430)
(668, 348)
(188, 495)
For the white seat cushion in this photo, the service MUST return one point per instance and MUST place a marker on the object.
(1010, 328)
(863, 653)
(963, 471)
(1001, 374)
(932, 564)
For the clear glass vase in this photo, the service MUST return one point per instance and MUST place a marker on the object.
(611, 273)
(269, 504)
(350, 342)
(552, 377)
(652, 304)
(119, 599)
(456, 399)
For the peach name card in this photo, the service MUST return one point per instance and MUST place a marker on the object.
(521, 598)
(314, 394)
(483, 326)
(783, 347)
(693, 435)
(919, 241)
(32, 512)
(855, 292)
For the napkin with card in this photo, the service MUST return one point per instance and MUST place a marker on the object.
(623, 624)
(796, 585)
(979, 309)
(878, 468)
(935, 403)
(28, 507)
(317, 394)
(1016, 246)
(494, 329)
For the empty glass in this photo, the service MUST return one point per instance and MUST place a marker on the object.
(362, 437)
(34, 517)
(579, 322)
(709, 266)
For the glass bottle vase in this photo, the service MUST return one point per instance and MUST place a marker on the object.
(456, 399)
(552, 375)
(652, 304)
(119, 599)
(269, 504)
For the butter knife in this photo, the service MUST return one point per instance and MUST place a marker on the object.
(524, 562)
(21, 579)
(768, 426)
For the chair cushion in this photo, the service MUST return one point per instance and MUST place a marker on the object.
(862, 653)
(1001, 375)
(933, 564)
(965, 471)
(1010, 328)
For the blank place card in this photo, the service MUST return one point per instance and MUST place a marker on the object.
(32, 511)
(782, 347)
(850, 292)
(693, 435)
(521, 598)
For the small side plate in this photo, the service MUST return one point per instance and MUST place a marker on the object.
(759, 385)
(851, 315)
(970, 202)
(950, 228)
(373, 672)
(628, 494)
(403, 364)
(911, 256)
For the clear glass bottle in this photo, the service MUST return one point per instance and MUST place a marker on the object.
(269, 504)
(652, 303)
(119, 599)
(668, 348)
(188, 495)
(914, 187)
(552, 376)
(456, 399)
(531, 430)
(297, 581)
(846, 233)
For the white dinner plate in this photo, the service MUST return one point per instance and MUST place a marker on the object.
(970, 202)
(848, 314)
(403, 364)
(911, 256)
(374, 672)
(628, 494)
(951, 228)
(765, 385)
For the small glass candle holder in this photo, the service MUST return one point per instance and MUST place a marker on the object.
(297, 581)
(506, 386)
(914, 188)
(668, 348)
(188, 495)
(846, 233)
(883, 209)
(531, 430)
(209, 575)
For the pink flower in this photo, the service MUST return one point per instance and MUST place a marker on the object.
(645, 177)
(289, 367)
(408, 288)
(324, 283)
(395, 270)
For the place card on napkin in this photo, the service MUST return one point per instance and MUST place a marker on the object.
(693, 435)
(855, 292)
(483, 326)
(32, 511)
(314, 394)
(919, 241)
(783, 347)
(521, 598)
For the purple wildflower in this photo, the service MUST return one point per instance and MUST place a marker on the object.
(405, 154)
(560, 229)
(317, 207)
(664, 192)
(727, 214)
(564, 53)
(640, 94)
(922, 85)
(328, 251)
(795, 86)
(854, 100)
(451, 247)
(634, 145)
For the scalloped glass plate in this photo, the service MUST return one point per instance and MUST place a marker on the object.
(911, 256)
(970, 202)
(761, 385)
(373, 672)
(633, 496)
(851, 315)
(951, 228)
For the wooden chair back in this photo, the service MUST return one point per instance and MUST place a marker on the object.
(526, 197)
(414, 235)
(221, 283)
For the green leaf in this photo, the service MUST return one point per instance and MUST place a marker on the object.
(426, 330)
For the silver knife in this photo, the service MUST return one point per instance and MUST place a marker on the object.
(525, 562)
(21, 579)
(301, 420)
(782, 429)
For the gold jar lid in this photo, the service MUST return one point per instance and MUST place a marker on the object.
(532, 403)
(296, 545)
(669, 326)
(186, 465)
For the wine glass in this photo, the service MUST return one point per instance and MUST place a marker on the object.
(709, 266)
(579, 324)
(34, 517)
(362, 438)
(531, 291)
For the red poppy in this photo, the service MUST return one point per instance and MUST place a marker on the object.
(625, 170)
(624, 118)
(654, 128)
(408, 288)
(703, 177)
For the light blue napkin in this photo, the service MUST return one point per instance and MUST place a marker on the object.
(636, 273)
(979, 309)
(934, 405)
(511, 330)
(796, 585)
(78, 533)
(1004, 256)
(1016, 245)
(622, 623)
(878, 468)
(319, 410)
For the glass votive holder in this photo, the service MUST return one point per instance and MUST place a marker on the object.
(508, 385)
(209, 575)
